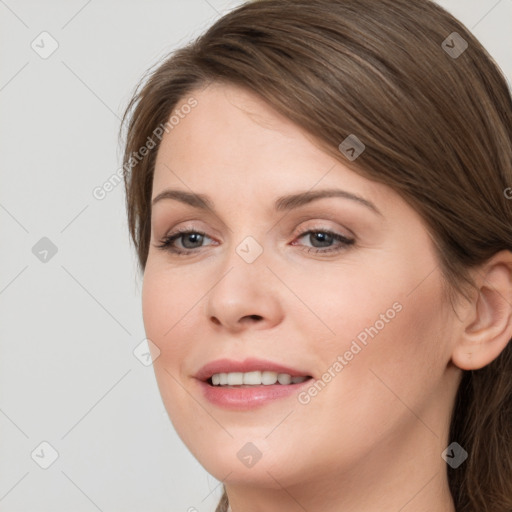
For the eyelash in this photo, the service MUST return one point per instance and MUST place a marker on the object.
(166, 243)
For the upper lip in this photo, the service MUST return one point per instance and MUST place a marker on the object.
(247, 365)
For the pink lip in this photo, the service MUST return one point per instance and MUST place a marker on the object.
(245, 398)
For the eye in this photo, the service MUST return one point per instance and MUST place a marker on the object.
(191, 240)
(322, 239)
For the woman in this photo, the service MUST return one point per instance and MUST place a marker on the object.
(319, 193)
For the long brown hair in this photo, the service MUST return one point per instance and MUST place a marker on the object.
(434, 112)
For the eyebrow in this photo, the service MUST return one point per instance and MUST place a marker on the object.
(284, 203)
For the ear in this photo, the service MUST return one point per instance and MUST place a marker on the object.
(487, 325)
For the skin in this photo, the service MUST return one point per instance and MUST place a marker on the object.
(372, 438)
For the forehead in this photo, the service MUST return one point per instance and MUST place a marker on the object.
(233, 137)
(225, 120)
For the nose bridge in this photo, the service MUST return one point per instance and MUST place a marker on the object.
(244, 271)
(250, 249)
(245, 287)
(247, 238)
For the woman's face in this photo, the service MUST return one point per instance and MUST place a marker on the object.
(346, 291)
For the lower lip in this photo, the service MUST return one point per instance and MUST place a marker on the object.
(245, 398)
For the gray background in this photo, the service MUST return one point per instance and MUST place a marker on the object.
(70, 324)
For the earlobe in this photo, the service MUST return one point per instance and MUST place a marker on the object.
(488, 328)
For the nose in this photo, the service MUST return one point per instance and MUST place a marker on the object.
(246, 295)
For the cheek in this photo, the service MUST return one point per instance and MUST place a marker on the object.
(385, 364)
(167, 310)
(337, 305)
(397, 351)
(386, 318)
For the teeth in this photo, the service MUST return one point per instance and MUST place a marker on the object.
(235, 379)
(256, 378)
(284, 378)
(252, 378)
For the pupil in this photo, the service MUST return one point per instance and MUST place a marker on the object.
(191, 236)
(326, 238)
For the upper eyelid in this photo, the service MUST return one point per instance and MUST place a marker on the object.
(319, 223)
(175, 235)
(305, 211)
(187, 228)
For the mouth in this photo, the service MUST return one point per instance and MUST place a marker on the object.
(250, 372)
(255, 379)
(249, 384)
